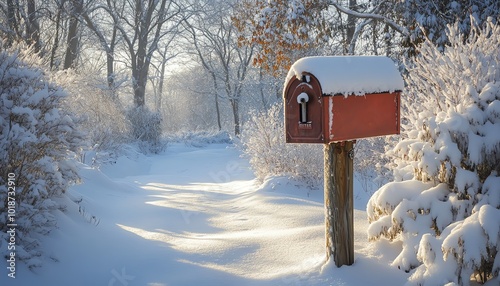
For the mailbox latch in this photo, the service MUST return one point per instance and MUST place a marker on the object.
(302, 99)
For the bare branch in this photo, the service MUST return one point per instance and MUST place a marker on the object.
(402, 30)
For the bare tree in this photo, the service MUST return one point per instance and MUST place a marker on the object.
(164, 57)
(22, 22)
(142, 25)
(12, 26)
(57, 32)
(106, 33)
(215, 40)
(32, 27)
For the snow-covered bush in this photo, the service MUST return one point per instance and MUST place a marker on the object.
(146, 127)
(37, 138)
(263, 140)
(199, 138)
(445, 206)
(99, 114)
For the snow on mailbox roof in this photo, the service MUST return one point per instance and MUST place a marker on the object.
(350, 74)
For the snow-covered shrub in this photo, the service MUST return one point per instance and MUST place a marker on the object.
(263, 140)
(200, 138)
(37, 138)
(146, 127)
(446, 208)
(99, 114)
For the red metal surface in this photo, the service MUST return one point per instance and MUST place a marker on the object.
(356, 117)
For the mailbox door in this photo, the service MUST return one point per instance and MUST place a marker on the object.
(356, 117)
(303, 121)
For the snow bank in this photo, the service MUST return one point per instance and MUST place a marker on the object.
(195, 216)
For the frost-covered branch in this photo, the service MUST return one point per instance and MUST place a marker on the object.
(373, 16)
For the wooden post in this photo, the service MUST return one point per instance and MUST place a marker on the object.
(339, 202)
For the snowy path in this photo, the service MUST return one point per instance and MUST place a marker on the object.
(195, 217)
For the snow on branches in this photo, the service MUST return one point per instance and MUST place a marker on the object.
(428, 18)
(36, 139)
(262, 141)
(445, 207)
(280, 28)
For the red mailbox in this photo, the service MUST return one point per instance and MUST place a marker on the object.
(331, 99)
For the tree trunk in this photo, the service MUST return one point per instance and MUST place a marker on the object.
(217, 111)
(387, 41)
(375, 38)
(261, 84)
(351, 26)
(139, 85)
(338, 187)
(73, 37)
(110, 63)
(216, 93)
(236, 116)
(140, 69)
(12, 22)
(32, 27)
(160, 87)
(55, 44)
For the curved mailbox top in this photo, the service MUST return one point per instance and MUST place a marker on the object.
(349, 75)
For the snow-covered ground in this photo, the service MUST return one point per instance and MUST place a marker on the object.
(197, 216)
